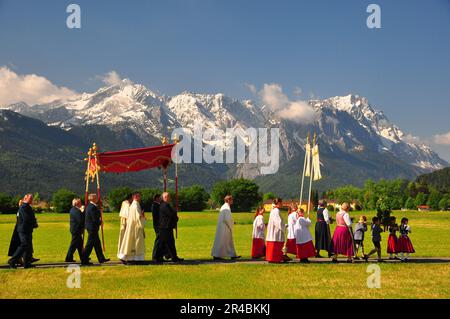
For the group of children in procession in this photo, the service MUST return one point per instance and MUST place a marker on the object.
(345, 241)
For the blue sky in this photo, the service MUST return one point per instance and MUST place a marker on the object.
(323, 47)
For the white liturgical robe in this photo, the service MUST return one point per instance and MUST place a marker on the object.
(223, 242)
(123, 221)
(275, 227)
(133, 244)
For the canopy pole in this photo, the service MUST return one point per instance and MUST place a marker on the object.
(94, 148)
(176, 182)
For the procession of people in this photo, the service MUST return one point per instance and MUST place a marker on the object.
(272, 241)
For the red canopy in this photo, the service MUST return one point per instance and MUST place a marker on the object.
(135, 159)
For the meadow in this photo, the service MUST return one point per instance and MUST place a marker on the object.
(424, 279)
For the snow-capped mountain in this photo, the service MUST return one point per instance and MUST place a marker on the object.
(347, 124)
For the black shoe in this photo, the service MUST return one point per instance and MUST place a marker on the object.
(177, 259)
(158, 260)
(380, 260)
(236, 257)
(366, 257)
(33, 260)
(218, 258)
(334, 260)
(12, 264)
(104, 260)
(167, 257)
(27, 266)
(350, 261)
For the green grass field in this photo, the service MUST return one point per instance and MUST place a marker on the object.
(430, 236)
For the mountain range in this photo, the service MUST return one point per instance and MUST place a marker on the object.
(356, 141)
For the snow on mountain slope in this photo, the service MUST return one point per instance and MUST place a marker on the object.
(348, 122)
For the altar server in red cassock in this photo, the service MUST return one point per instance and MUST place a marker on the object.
(290, 247)
(275, 234)
(258, 244)
(304, 240)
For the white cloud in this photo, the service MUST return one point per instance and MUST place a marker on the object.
(111, 78)
(442, 139)
(250, 87)
(299, 111)
(29, 88)
(409, 138)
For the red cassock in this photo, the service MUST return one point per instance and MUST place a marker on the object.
(404, 245)
(274, 251)
(306, 250)
(258, 248)
(392, 244)
(291, 246)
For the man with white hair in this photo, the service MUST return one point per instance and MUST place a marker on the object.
(168, 220)
(93, 221)
(26, 222)
(76, 229)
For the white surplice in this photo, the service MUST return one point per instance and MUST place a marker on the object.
(133, 244)
(303, 235)
(223, 242)
(275, 227)
(292, 219)
(258, 227)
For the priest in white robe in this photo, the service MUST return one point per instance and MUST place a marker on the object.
(133, 244)
(123, 215)
(223, 242)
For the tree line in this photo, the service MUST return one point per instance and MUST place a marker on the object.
(393, 194)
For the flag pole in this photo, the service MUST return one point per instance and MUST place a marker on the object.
(311, 174)
(303, 174)
(94, 148)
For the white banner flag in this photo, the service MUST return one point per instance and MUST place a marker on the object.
(316, 163)
(308, 159)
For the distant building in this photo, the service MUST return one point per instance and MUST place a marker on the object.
(423, 208)
(286, 204)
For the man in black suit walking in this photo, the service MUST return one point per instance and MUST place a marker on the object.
(168, 220)
(76, 229)
(92, 224)
(26, 222)
(155, 215)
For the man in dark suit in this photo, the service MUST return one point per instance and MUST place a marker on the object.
(76, 229)
(155, 214)
(168, 220)
(92, 223)
(26, 222)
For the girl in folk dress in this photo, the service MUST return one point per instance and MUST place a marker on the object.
(342, 237)
(290, 247)
(275, 234)
(404, 244)
(392, 239)
(258, 244)
(304, 240)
